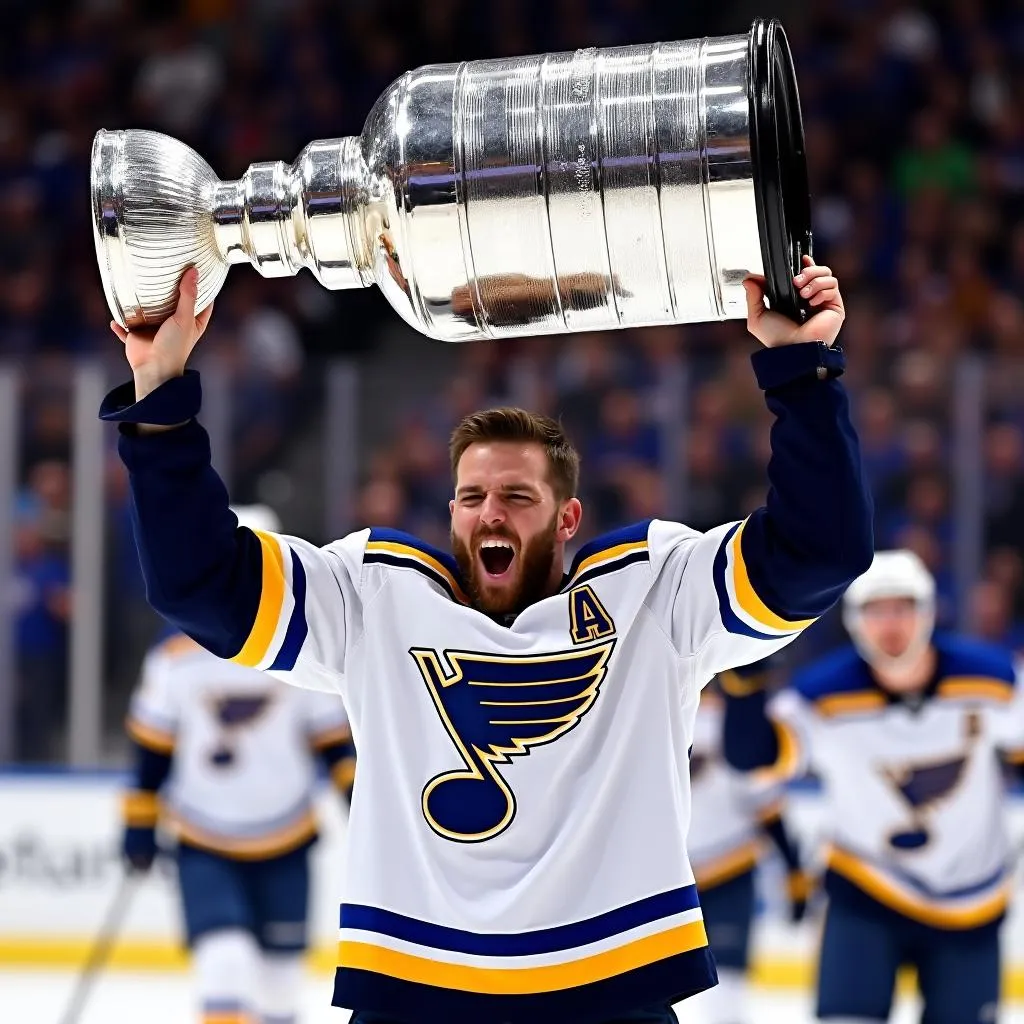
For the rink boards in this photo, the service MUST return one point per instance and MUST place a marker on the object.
(60, 869)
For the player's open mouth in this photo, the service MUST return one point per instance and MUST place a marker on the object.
(496, 557)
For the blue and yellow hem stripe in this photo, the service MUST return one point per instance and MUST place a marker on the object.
(272, 844)
(936, 912)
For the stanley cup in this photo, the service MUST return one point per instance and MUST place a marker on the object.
(569, 192)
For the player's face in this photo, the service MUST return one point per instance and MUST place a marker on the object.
(891, 624)
(508, 528)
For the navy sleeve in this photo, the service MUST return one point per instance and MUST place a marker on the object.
(749, 739)
(203, 572)
(776, 830)
(813, 536)
(151, 769)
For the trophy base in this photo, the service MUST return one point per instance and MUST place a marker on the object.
(779, 157)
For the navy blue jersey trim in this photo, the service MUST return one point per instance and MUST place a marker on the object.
(385, 558)
(661, 983)
(295, 634)
(399, 537)
(632, 534)
(547, 940)
(732, 622)
(612, 566)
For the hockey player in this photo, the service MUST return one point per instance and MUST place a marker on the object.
(517, 844)
(228, 754)
(906, 729)
(730, 820)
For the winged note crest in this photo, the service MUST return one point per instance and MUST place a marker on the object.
(496, 708)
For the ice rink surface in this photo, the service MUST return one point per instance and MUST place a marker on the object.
(39, 997)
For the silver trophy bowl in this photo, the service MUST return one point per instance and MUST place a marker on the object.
(579, 191)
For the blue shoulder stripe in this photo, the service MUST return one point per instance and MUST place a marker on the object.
(733, 623)
(636, 533)
(407, 540)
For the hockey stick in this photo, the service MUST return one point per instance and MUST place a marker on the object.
(102, 947)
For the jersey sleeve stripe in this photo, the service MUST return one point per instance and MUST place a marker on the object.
(523, 981)
(268, 615)
(732, 622)
(298, 628)
(976, 687)
(140, 809)
(748, 600)
(149, 737)
(609, 555)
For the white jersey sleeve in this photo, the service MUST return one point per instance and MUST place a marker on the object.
(310, 609)
(1007, 715)
(154, 714)
(705, 601)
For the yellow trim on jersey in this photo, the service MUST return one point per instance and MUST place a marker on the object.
(875, 884)
(728, 866)
(1012, 756)
(228, 1018)
(787, 760)
(523, 980)
(748, 598)
(769, 813)
(140, 808)
(343, 774)
(157, 740)
(273, 844)
(834, 704)
(735, 685)
(330, 737)
(407, 551)
(609, 555)
(256, 646)
(976, 687)
(800, 885)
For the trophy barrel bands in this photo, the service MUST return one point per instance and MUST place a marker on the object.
(597, 189)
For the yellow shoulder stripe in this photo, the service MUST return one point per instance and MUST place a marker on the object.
(976, 686)
(609, 555)
(848, 703)
(407, 551)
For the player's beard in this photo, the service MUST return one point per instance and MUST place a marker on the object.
(534, 561)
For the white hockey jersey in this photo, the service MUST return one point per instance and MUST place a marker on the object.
(728, 806)
(915, 790)
(519, 827)
(243, 771)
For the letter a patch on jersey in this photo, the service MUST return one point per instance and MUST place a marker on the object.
(496, 708)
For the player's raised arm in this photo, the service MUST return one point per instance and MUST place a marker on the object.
(742, 590)
(267, 601)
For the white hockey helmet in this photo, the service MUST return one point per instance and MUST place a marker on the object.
(257, 517)
(899, 573)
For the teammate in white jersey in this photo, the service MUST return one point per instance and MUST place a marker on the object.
(731, 818)
(229, 756)
(908, 731)
(517, 845)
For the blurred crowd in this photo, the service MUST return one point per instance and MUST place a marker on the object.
(916, 150)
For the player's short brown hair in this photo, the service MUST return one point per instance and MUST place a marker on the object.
(511, 424)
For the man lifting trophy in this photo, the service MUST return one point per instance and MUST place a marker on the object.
(517, 851)
(568, 192)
